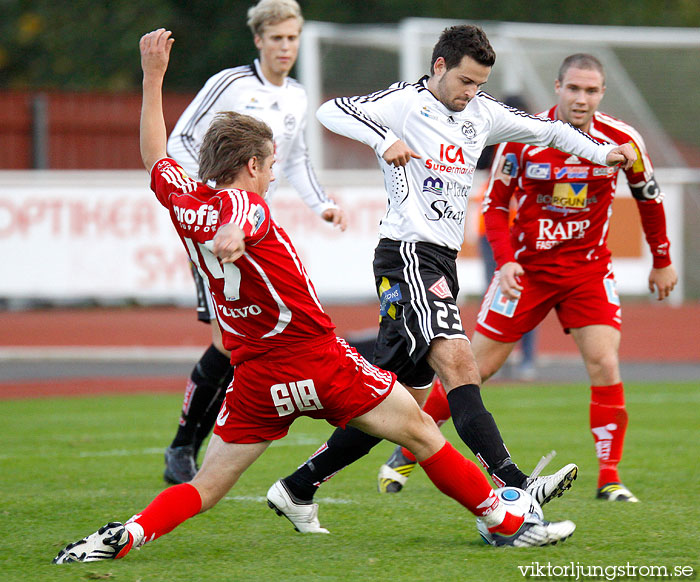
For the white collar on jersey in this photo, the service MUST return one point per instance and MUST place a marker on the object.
(263, 79)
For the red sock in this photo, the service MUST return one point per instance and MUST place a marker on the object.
(608, 419)
(460, 479)
(510, 524)
(168, 510)
(437, 407)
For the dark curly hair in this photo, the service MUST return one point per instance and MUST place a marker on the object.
(457, 42)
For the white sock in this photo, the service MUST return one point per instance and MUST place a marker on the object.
(136, 532)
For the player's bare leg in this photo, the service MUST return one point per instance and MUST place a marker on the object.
(490, 354)
(599, 346)
(224, 463)
(455, 364)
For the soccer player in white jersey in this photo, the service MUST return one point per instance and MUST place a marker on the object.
(555, 255)
(428, 136)
(263, 90)
(288, 362)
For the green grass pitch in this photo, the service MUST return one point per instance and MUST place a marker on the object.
(67, 466)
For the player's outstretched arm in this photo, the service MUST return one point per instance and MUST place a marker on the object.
(155, 54)
(623, 154)
(663, 281)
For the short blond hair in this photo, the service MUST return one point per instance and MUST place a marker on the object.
(268, 12)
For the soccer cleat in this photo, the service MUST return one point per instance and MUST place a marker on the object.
(304, 516)
(110, 542)
(547, 487)
(180, 466)
(544, 488)
(395, 472)
(535, 532)
(616, 492)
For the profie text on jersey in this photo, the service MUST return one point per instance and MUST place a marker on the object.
(205, 218)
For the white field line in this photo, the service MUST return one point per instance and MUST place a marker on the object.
(110, 354)
(299, 440)
(259, 499)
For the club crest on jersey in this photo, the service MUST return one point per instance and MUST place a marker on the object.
(538, 171)
(440, 288)
(256, 217)
(290, 123)
(468, 130)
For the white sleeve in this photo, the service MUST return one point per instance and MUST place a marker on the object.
(186, 138)
(513, 125)
(300, 174)
(375, 120)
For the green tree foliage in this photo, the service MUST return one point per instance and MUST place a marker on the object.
(91, 44)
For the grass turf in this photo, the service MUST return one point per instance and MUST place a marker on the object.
(67, 466)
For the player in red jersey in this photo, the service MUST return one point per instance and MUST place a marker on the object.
(288, 363)
(555, 255)
(264, 90)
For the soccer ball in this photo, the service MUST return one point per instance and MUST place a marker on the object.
(516, 501)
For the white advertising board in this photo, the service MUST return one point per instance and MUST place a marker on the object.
(102, 235)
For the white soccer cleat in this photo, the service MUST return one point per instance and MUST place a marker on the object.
(544, 488)
(304, 516)
(535, 532)
(110, 542)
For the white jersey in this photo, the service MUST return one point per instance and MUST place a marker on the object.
(245, 90)
(427, 198)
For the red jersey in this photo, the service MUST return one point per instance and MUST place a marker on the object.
(265, 299)
(564, 202)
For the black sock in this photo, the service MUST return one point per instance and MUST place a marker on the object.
(211, 413)
(478, 430)
(205, 380)
(344, 447)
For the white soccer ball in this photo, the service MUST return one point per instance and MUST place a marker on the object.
(516, 501)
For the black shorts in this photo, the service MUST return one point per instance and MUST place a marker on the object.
(417, 286)
(205, 309)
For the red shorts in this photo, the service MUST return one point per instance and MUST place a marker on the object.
(322, 378)
(588, 299)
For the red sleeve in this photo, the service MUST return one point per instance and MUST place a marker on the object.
(649, 199)
(167, 177)
(496, 206)
(654, 224)
(247, 210)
